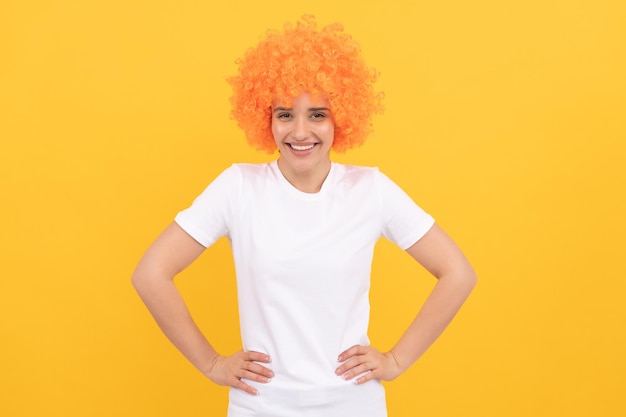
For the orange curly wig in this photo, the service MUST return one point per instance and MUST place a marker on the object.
(325, 63)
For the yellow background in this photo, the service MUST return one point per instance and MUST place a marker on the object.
(505, 120)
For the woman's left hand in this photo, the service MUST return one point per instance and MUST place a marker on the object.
(368, 362)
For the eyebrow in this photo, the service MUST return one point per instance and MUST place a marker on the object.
(310, 109)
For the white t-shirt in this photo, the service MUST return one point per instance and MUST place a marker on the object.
(303, 265)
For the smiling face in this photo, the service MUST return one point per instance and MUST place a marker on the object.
(304, 134)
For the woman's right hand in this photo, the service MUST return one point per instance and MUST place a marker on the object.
(229, 370)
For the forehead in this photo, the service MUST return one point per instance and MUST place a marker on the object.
(303, 100)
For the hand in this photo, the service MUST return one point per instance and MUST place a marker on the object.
(229, 370)
(369, 361)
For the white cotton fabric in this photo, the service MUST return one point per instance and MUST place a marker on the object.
(303, 265)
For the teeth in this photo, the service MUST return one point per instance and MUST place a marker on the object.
(302, 147)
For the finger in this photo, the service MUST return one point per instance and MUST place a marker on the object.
(260, 370)
(352, 362)
(364, 378)
(257, 357)
(357, 371)
(245, 387)
(254, 377)
(347, 365)
(352, 351)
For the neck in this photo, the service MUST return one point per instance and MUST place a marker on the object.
(309, 181)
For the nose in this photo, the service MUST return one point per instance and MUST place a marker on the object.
(300, 130)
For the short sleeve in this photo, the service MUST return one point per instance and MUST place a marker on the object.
(404, 222)
(209, 216)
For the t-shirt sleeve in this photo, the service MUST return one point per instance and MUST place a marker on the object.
(404, 222)
(209, 216)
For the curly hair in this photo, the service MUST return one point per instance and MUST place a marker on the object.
(324, 63)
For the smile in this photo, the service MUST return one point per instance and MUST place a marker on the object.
(301, 147)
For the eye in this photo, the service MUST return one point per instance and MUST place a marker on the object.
(318, 116)
(283, 115)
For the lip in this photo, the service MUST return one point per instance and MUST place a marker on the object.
(301, 151)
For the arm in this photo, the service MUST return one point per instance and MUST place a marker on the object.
(456, 278)
(153, 279)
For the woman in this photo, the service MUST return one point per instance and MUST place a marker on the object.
(302, 230)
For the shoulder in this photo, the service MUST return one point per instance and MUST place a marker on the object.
(249, 172)
(233, 177)
(366, 176)
(255, 177)
(250, 169)
(355, 173)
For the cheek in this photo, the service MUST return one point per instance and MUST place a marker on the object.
(275, 131)
(330, 133)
